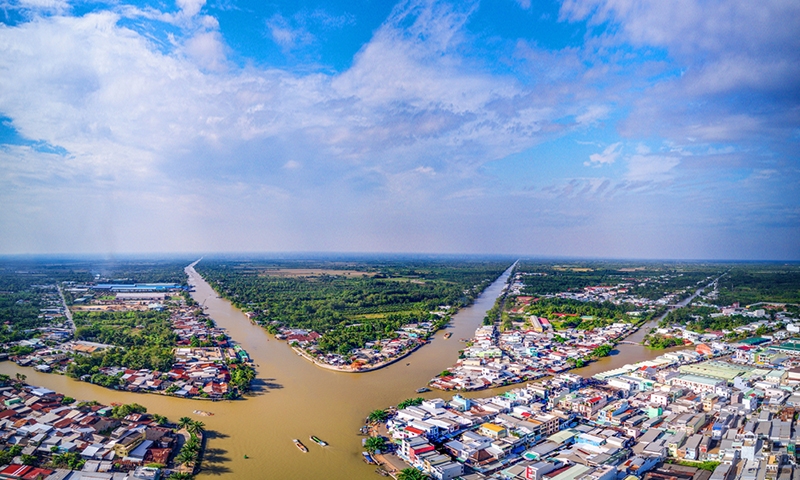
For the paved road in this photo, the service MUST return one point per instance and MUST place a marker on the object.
(70, 322)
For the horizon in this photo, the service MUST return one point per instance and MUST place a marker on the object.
(598, 129)
(355, 256)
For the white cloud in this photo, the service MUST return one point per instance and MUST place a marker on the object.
(207, 50)
(650, 168)
(607, 157)
(190, 8)
(292, 165)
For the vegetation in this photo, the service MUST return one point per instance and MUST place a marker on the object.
(146, 340)
(349, 303)
(646, 280)
(656, 341)
(375, 444)
(566, 313)
(122, 411)
(410, 402)
(760, 283)
(411, 474)
(709, 465)
(70, 460)
(377, 416)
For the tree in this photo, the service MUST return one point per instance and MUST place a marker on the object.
(375, 444)
(184, 422)
(159, 419)
(377, 416)
(180, 476)
(28, 459)
(195, 427)
(411, 474)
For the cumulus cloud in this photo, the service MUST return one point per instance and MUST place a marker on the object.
(606, 157)
(399, 138)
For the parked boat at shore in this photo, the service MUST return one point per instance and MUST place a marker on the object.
(299, 444)
(318, 441)
(203, 413)
(423, 390)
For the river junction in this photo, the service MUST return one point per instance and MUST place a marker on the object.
(293, 398)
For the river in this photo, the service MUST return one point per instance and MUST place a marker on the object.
(293, 398)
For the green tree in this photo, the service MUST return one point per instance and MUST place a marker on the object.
(375, 444)
(411, 474)
(378, 416)
(195, 427)
(184, 422)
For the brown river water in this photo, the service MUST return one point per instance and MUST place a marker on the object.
(294, 398)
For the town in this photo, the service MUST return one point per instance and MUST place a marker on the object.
(46, 435)
(143, 337)
(673, 417)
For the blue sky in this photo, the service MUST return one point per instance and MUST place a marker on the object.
(592, 128)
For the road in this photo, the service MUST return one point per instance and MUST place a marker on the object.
(68, 314)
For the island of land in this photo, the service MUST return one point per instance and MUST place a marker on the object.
(352, 316)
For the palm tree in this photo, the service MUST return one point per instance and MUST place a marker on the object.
(186, 457)
(21, 377)
(184, 422)
(411, 474)
(375, 444)
(377, 416)
(195, 427)
(180, 476)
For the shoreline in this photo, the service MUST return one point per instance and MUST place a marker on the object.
(371, 368)
(377, 366)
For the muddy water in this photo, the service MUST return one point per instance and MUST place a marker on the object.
(292, 399)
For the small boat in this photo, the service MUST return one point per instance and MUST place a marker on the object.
(318, 441)
(423, 390)
(407, 364)
(203, 413)
(448, 335)
(246, 457)
(299, 444)
(368, 458)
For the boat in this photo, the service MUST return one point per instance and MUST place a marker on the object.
(368, 458)
(203, 413)
(423, 390)
(299, 444)
(318, 441)
(448, 335)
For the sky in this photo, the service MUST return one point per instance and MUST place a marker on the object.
(585, 128)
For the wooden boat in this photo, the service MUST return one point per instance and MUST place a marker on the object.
(299, 444)
(318, 441)
(203, 413)
(423, 390)
(448, 335)
(368, 458)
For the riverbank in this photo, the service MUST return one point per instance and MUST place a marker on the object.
(291, 398)
(373, 355)
(370, 368)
